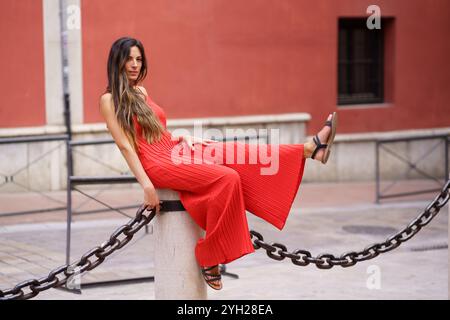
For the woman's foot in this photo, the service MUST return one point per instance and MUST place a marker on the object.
(212, 276)
(323, 135)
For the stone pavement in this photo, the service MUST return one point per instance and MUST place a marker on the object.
(332, 218)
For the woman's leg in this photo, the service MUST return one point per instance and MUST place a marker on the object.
(270, 174)
(212, 195)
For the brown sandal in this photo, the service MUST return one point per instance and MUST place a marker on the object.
(319, 145)
(210, 278)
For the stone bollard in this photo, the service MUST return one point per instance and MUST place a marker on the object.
(177, 273)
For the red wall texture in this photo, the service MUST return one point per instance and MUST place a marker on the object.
(22, 80)
(225, 58)
(230, 57)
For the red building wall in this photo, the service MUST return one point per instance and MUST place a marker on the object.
(223, 58)
(230, 57)
(22, 79)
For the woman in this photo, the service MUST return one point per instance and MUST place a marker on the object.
(215, 193)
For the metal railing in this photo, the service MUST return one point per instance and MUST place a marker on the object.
(10, 177)
(73, 181)
(412, 165)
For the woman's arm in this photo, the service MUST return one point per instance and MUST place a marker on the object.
(132, 159)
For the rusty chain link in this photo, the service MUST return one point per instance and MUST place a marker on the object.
(98, 255)
(299, 257)
(276, 251)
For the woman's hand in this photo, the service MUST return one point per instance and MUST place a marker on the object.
(151, 199)
(191, 141)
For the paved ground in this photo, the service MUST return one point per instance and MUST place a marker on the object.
(332, 218)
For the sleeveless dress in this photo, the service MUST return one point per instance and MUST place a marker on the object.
(216, 192)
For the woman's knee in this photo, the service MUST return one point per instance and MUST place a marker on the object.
(231, 176)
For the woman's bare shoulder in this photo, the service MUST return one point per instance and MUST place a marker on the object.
(106, 96)
(106, 100)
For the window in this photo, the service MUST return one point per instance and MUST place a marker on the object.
(360, 62)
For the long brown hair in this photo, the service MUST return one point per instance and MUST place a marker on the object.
(127, 100)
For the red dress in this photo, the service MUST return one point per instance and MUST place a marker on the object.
(216, 192)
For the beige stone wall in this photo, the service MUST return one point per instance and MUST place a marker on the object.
(50, 171)
(352, 159)
(354, 155)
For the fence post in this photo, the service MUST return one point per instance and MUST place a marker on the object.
(177, 273)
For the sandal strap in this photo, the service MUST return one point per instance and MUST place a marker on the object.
(328, 123)
(319, 145)
(211, 276)
(212, 279)
(208, 268)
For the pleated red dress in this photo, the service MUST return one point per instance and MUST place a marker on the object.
(217, 192)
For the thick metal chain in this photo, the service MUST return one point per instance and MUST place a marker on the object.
(278, 251)
(85, 263)
(275, 251)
